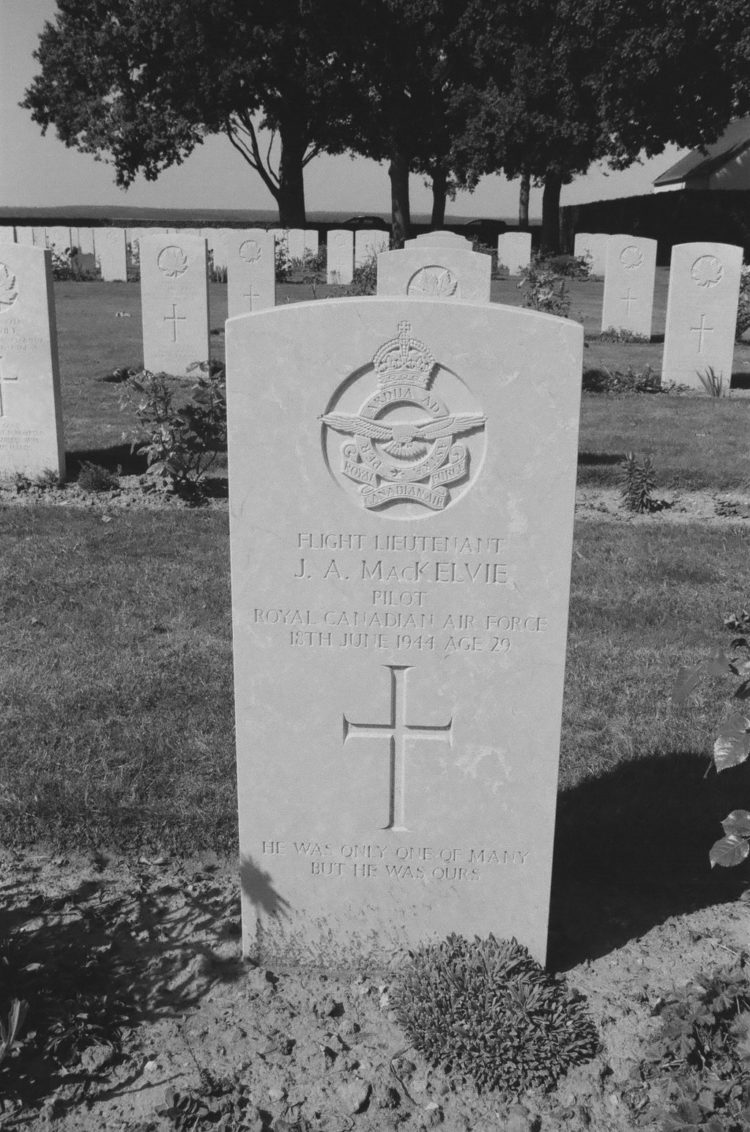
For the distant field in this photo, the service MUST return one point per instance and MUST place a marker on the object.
(695, 441)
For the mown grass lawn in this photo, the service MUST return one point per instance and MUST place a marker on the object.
(116, 686)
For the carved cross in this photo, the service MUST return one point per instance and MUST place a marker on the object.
(399, 732)
(628, 299)
(174, 318)
(700, 331)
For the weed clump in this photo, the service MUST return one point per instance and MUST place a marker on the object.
(487, 1010)
(95, 477)
(638, 484)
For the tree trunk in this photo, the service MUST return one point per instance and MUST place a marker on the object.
(523, 200)
(398, 171)
(551, 212)
(290, 196)
(439, 196)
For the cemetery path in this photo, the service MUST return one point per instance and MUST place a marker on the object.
(135, 987)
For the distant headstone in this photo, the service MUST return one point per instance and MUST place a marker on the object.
(630, 271)
(7, 234)
(704, 285)
(367, 243)
(441, 272)
(593, 247)
(401, 545)
(40, 237)
(439, 239)
(296, 242)
(339, 256)
(311, 242)
(514, 251)
(174, 302)
(85, 242)
(31, 436)
(58, 237)
(25, 235)
(111, 254)
(251, 271)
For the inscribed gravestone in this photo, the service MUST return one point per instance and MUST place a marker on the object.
(85, 241)
(111, 254)
(295, 239)
(31, 437)
(251, 273)
(629, 276)
(441, 272)
(7, 234)
(339, 256)
(25, 235)
(514, 251)
(174, 302)
(40, 237)
(367, 243)
(704, 285)
(592, 246)
(401, 545)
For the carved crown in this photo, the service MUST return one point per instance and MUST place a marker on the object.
(404, 360)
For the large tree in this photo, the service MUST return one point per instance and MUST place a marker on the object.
(556, 85)
(140, 83)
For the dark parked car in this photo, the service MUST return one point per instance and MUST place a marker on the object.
(367, 222)
(486, 231)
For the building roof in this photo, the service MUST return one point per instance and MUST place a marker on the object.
(702, 163)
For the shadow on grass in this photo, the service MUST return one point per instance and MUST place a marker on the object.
(599, 458)
(90, 963)
(121, 456)
(631, 849)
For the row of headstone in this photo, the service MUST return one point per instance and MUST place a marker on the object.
(436, 265)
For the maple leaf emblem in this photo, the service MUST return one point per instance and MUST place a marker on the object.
(434, 282)
(250, 251)
(8, 292)
(172, 261)
(707, 271)
(631, 257)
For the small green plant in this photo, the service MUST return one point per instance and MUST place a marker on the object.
(732, 744)
(365, 278)
(571, 266)
(183, 442)
(283, 260)
(712, 382)
(701, 1048)
(630, 380)
(621, 334)
(487, 1010)
(743, 306)
(95, 477)
(544, 289)
(638, 484)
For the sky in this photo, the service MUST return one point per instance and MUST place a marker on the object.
(38, 171)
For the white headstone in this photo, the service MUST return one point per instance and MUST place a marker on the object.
(217, 240)
(312, 242)
(111, 254)
(25, 235)
(31, 437)
(439, 239)
(402, 478)
(59, 238)
(704, 285)
(630, 271)
(251, 271)
(367, 243)
(40, 237)
(592, 246)
(85, 243)
(339, 256)
(436, 273)
(514, 251)
(7, 234)
(174, 302)
(296, 242)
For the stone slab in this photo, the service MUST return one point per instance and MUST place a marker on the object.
(40, 237)
(295, 239)
(592, 246)
(111, 254)
(25, 235)
(440, 272)
(629, 274)
(31, 433)
(174, 302)
(514, 251)
(704, 286)
(402, 477)
(7, 234)
(339, 256)
(85, 240)
(367, 243)
(251, 271)
(439, 239)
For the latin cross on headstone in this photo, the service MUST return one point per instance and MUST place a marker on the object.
(174, 318)
(628, 299)
(251, 294)
(398, 732)
(3, 378)
(700, 331)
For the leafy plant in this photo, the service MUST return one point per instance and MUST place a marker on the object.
(702, 1046)
(95, 477)
(486, 1009)
(621, 334)
(743, 306)
(712, 382)
(283, 260)
(732, 744)
(638, 484)
(364, 279)
(544, 288)
(183, 441)
(570, 266)
(631, 380)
